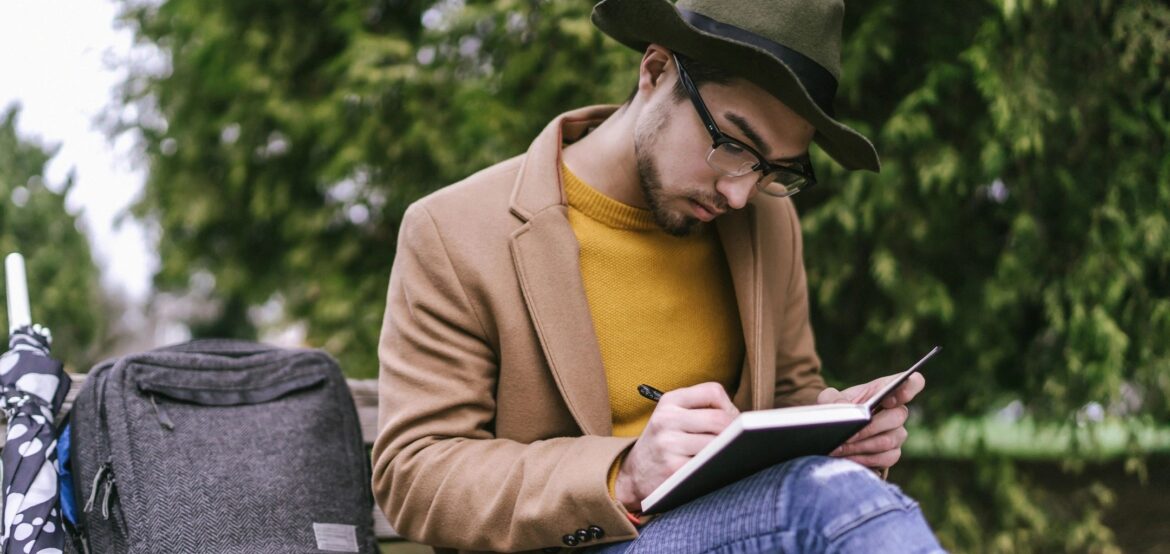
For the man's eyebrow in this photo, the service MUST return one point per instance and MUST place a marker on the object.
(757, 141)
(750, 132)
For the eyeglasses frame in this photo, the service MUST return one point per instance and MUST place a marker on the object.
(719, 138)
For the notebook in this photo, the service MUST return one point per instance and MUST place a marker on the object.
(760, 439)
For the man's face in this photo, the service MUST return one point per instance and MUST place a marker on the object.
(671, 147)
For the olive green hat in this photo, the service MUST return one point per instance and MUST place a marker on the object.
(790, 48)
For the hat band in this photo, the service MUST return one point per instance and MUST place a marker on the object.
(815, 79)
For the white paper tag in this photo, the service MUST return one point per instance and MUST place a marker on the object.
(335, 537)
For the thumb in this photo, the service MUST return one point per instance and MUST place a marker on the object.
(831, 396)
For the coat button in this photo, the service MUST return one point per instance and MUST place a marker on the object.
(570, 540)
(596, 532)
(583, 535)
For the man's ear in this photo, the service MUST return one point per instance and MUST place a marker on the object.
(657, 62)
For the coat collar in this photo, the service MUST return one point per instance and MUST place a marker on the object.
(546, 256)
(538, 184)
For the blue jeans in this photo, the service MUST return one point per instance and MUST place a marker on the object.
(813, 504)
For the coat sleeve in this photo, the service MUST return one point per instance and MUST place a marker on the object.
(439, 473)
(798, 368)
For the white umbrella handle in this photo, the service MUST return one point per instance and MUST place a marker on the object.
(18, 310)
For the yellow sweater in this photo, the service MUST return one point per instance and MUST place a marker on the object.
(663, 307)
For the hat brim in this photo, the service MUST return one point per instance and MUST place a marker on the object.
(639, 23)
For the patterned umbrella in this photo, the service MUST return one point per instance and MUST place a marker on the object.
(32, 388)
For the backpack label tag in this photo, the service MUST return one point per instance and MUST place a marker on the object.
(335, 537)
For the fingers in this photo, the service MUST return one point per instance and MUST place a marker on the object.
(708, 421)
(831, 396)
(873, 445)
(906, 391)
(682, 446)
(879, 444)
(883, 460)
(858, 393)
(684, 422)
(883, 421)
(703, 395)
(703, 409)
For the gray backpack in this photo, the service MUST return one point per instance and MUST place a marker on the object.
(220, 446)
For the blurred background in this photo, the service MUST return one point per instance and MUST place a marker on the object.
(238, 168)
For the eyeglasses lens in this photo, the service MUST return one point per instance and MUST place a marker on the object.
(731, 160)
(781, 183)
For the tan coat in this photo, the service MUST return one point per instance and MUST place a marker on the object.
(494, 418)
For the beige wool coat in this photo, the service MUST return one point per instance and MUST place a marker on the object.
(494, 418)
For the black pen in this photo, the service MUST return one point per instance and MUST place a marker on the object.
(649, 392)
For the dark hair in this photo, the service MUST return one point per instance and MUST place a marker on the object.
(700, 73)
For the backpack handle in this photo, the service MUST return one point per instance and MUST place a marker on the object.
(232, 348)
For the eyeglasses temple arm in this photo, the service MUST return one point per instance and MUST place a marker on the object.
(693, 92)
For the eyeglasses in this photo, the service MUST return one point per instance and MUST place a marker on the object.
(735, 159)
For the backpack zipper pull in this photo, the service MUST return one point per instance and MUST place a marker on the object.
(106, 497)
(163, 419)
(97, 481)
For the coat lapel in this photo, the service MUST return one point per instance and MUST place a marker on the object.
(737, 233)
(546, 255)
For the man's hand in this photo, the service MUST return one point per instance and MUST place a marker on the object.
(684, 421)
(879, 444)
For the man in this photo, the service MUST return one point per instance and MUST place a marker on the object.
(651, 243)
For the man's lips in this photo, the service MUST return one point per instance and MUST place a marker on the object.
(704, 212)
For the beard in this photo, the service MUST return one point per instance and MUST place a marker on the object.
(672, 222)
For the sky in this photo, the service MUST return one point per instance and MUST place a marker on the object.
(60, 60)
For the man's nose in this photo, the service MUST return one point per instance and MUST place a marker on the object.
(737, 190)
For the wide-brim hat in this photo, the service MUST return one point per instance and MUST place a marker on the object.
(790, 48)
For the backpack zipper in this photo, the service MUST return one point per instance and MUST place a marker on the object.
(163, 418)
(104, 475)
(105, 470)
(106, 497)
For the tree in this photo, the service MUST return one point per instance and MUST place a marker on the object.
(64, 292)
(1020, 216)
(1020, 219)
(284, 142)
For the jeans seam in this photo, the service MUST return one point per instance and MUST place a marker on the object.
(739, 540)
(866, 518)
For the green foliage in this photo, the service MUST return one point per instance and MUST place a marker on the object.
(285, 141)
(1020, 218)
(63, 281)
(996, 505)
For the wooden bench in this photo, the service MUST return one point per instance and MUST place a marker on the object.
(365, 397)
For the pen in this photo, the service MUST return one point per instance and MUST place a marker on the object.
(649, 392)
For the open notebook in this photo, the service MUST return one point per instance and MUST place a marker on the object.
(760, 439)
